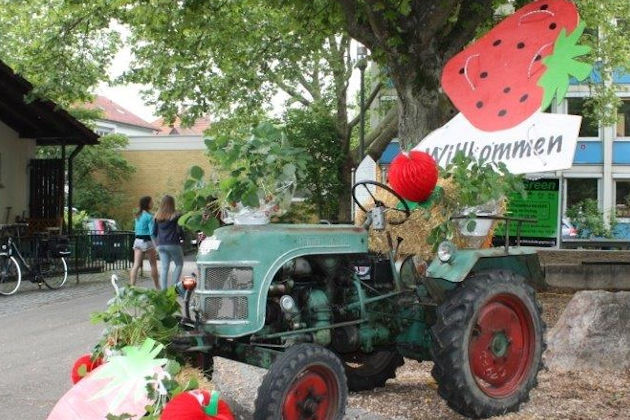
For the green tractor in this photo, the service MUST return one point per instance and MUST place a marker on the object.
(324, 315)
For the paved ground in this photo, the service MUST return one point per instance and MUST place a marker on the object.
(43, 332)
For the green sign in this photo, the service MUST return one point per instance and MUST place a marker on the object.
(541, 204)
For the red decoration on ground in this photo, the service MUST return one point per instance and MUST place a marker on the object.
(413, 175)
(494, 82)
(83, 366)
(197, 405)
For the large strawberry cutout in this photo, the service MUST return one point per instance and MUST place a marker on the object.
(518, 67)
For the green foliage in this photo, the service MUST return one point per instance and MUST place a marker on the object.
(314, 131)
(258, 166)
(588, 219)
(98, 171)
(78, 219)
(138, 314)
(476, 183)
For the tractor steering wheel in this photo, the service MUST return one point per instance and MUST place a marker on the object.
(406, 210)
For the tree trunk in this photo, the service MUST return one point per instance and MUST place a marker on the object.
(344, 214)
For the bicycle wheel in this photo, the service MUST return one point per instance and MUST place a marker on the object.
(10, 275)
(54, 272)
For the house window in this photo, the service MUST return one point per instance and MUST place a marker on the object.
(589, 127)
(623, 120)
(622, 198)
(580, 189)
(103, 131)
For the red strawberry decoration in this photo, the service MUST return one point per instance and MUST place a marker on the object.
(197, 405)
(83, 366)
(413, 175)
(518, 67)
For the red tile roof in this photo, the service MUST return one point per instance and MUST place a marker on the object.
(116, 113)
(176, 128)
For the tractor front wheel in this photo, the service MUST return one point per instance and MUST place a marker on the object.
(305, 382)
(368, 371)
(488, 344)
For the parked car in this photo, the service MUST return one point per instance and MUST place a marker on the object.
(568, 230)
(106, 244)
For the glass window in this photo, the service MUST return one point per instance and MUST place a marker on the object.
(589, 126)
(622, 198)
(580, 189)
(623, 120)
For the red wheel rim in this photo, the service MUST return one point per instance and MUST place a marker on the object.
(501, 346)
(313, 394)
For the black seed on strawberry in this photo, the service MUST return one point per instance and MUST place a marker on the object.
(524, 98)
(479, 104)
(544, 7)
(502, 113)
(483, 75)
(553, 26)
(507, 89)
(461, 71)
(497, 43)
(520, 45)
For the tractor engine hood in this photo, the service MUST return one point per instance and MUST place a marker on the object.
(238, 263)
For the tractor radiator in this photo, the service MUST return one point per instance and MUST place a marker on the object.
(217, 301)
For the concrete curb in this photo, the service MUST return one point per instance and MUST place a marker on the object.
(238, 384)
(588, 276)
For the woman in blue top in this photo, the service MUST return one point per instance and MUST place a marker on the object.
(143, 243)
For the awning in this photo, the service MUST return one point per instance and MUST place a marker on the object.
(42, 120)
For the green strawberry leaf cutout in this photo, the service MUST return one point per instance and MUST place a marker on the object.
(561, 65)
(129, 370)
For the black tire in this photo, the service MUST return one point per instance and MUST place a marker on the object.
(480, 367)
(54, 272)
(288, 378)
(368, 371)
(10, 275)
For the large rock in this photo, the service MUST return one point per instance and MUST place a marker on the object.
(238, 384)
(593, 332)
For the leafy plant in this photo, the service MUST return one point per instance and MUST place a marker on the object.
(137, 314)
(476, 183)
(256, 167)
(588, 219)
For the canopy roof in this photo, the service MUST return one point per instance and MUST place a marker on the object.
(42, 120)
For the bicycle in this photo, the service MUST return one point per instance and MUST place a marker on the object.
(48, 264)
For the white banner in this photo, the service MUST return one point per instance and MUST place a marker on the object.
(544, 142)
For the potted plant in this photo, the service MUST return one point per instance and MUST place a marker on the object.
(479, 189)
(256, 177)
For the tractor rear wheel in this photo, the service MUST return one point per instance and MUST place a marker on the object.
(368, 371)
(306, 382)
(488, 344)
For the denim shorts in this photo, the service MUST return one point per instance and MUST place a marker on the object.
(143, 244)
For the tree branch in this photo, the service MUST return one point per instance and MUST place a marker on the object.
(378, 139)
(366, 106)
(471, 15)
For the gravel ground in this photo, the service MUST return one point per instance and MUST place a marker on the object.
(569, 395)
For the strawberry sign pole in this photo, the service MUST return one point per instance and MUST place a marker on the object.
(503, 82)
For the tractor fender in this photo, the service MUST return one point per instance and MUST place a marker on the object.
(521, 260)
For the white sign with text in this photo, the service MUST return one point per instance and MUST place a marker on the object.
(544, 142)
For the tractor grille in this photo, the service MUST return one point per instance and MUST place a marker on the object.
(226, 308)
(228, 278)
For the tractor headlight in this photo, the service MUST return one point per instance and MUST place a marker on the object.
(445, 251)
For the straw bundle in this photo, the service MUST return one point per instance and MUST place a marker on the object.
(415, 231)
(188, 372)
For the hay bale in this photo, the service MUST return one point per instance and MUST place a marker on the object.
(415, 231)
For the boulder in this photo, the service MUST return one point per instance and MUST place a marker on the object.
(593, 332)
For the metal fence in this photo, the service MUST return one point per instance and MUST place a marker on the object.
(90, 251)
